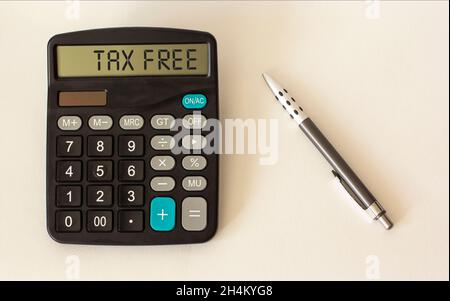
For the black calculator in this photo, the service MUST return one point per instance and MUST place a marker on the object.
(130, 136)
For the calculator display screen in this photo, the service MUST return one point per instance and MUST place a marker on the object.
(132, 60)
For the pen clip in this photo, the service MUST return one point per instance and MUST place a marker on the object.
(349, 189)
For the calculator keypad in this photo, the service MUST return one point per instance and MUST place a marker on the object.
(121, 209)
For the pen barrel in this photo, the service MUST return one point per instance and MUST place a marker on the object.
(348, 178)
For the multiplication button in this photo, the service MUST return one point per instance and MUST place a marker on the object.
(162, 163)
(193, 214)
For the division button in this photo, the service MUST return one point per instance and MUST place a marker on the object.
(162, 142)
(196, 183)
(162, 122)
(193, 214)
(194, 162)
(162, 163)
(100, 122)
(131, 221)
(162, 184)
(195, 142)
(131, 122)
(162, 214)
(69, 123)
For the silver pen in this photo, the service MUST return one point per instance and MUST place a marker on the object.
(341, 170)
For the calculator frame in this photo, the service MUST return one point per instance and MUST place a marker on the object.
(149, 88)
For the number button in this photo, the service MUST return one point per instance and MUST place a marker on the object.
(131, 170)
(131, 221)
(131, 195)
(99, 146)
(131, 146)
(98, 196)
(68, 171)
(69, 146)
(68, 221)
(100, 171)
(99, 221)
(68, 196)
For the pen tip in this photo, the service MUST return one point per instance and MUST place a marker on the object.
(386, 222)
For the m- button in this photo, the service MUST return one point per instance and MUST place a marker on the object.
(100, 122)
(69, 123)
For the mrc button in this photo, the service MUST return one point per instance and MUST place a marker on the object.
(131, 122)
(194, 101)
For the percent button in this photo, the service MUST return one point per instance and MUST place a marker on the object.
(194, 162)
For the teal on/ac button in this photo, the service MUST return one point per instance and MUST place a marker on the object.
(162, 214)
(194, 101)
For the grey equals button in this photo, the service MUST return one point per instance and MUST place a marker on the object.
(194, 214)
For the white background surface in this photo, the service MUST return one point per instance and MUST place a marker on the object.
(377, 87)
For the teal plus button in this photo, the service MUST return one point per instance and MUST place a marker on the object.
(194, 101)
(162, 214)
